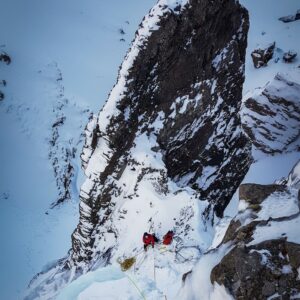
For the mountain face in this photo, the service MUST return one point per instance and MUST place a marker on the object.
(177, 98)
(167, 149)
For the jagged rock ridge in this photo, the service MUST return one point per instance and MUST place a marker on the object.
(169, 131)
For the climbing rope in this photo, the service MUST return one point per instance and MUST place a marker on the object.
(136, 286)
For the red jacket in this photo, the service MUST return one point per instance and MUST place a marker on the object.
(168, 238)
(148, 239)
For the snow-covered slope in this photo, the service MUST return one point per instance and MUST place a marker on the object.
(65, 57)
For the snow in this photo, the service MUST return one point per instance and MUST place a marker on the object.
(108, 283)
(264, 28)
(286, 269)
(278, 205)
(276, 230)
(265, 254)
(266, 169)
(242, 205)
(82, 40)
(199, 286)
(219, 231)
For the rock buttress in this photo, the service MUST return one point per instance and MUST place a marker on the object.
(180, 84)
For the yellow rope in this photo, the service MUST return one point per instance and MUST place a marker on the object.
(140, 292)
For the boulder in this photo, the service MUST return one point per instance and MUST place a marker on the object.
(261, 56)
(289, 56)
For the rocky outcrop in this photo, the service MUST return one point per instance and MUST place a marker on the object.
(169, 131)
(63, 146)
(289, 56)
(5, 58)
(261, 56)
(291, 18)
(263, 257)
(271, 117)
(258, 257)
(267, 269)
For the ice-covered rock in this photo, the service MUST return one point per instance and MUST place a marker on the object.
(271, 116)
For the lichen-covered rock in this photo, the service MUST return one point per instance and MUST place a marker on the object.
(271, 117)
(261, 56)
(289, 56)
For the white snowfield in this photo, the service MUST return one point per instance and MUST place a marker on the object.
(82, 39)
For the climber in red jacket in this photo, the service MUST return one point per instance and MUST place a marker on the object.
(168, 238)
(149, 239)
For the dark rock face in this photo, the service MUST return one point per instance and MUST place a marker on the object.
(260, 271)
(294, 177)
(289, 56)
(291, 18)
(271, 118)
(261, 57)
